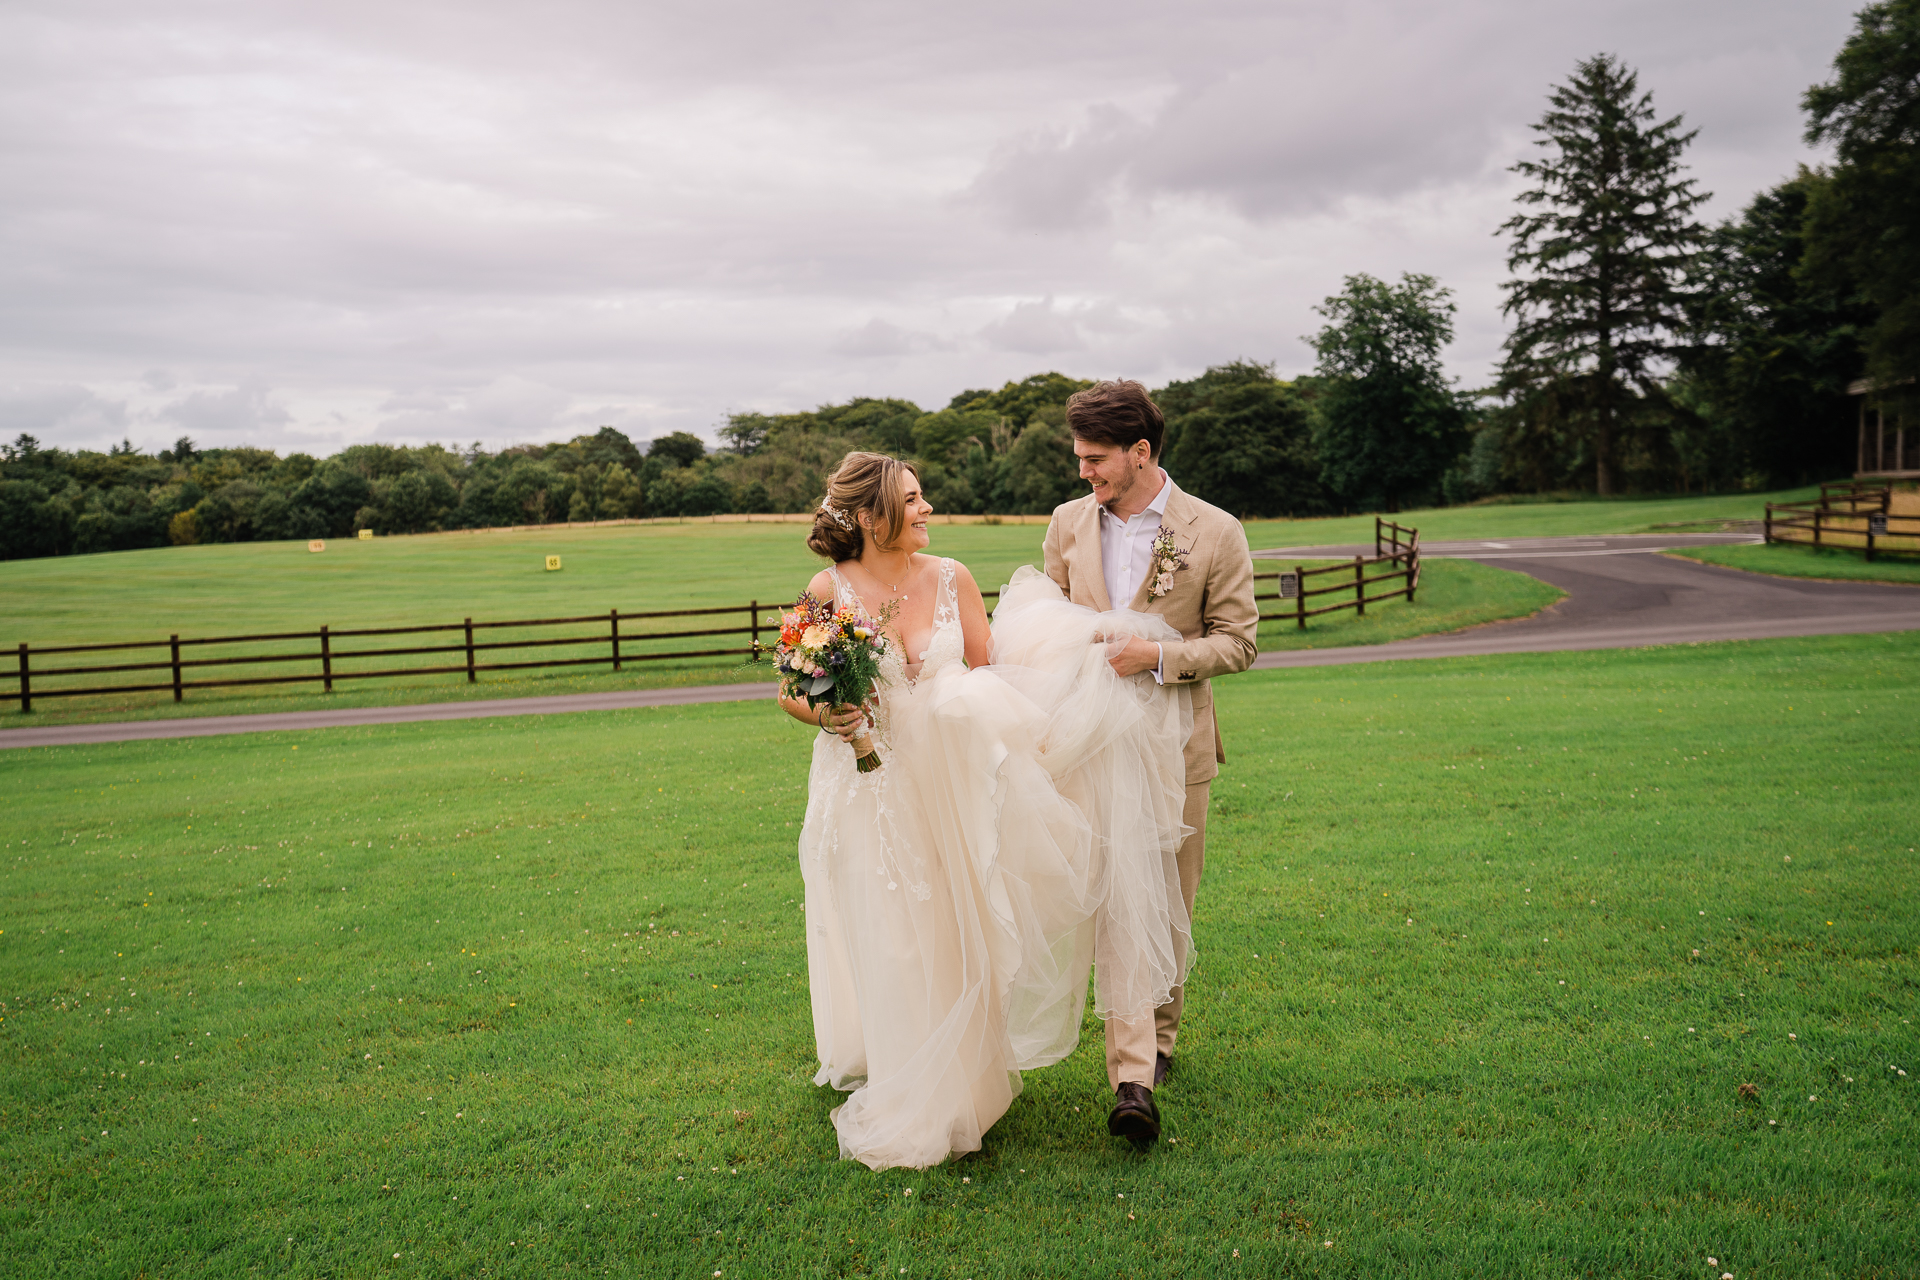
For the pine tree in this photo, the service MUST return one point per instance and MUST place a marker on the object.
(1601, 255)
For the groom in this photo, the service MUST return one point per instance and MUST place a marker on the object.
(1099, 548)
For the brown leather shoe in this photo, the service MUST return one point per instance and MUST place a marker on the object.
(1134, 1117)
(1162, 1065)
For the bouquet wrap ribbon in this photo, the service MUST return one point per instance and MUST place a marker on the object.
(866, 757)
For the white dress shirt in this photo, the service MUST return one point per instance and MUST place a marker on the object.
(1126, 552)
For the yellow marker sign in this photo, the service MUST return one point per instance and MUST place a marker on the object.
(553, 562)
(366, 535)
(316, 545)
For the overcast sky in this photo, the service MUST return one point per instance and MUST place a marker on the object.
(301, 225)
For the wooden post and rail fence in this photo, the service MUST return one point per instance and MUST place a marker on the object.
(330, 654)
(1393, 544)
(1849, 515)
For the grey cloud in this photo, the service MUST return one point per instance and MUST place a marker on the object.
(1034, 328)
(238, 415)
(457, 221)
(510, 408)
(1061, 179)
(61, 415)
(878, 339)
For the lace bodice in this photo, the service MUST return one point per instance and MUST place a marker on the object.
(947, 644)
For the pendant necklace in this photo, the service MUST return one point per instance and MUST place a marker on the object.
(888, 585)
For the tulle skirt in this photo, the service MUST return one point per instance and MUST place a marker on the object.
(1022, 829)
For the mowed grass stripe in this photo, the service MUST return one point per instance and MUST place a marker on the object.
(1407, 863)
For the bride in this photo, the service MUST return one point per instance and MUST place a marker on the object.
(1021, 828)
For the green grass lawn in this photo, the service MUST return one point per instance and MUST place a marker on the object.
(1487, 948)
(1805, 562)
(1533, 519)
(250, 588)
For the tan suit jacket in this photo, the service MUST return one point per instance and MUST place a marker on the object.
(1210, 605)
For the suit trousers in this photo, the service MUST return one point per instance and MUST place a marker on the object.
(1132, 1042)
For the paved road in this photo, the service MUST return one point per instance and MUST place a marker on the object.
(213, 726)
(1621, 594)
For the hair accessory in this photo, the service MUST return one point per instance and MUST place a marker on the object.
(838, 518)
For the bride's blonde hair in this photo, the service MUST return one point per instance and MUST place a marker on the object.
(863, 482)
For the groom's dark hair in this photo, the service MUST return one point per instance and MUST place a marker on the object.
(1116, 413)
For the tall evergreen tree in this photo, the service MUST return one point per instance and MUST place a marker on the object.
(1864, 225)
(1600, 252)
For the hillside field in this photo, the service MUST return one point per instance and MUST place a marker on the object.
(255, 588)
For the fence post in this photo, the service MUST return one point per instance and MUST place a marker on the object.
(1817, 513)
(1359, 587)
(470, 676)
(1413, 567)
(613, 621)
(26, 681)
(326, 659)
(1300, 596)
(1766, 536)
(176, 668)
(753, 607)
(1376, 535)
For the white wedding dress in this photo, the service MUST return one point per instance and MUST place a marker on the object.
(1022, 827)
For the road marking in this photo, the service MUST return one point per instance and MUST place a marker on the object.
(1557, 555)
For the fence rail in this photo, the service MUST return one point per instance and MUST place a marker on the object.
(322, 659)
(1393, 544)
(327, 655)
(1851, 515)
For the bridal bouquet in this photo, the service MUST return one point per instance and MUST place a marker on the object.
(832, 656)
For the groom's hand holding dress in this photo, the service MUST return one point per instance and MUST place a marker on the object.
(1210, 603)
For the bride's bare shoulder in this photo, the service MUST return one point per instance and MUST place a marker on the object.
(821, 588)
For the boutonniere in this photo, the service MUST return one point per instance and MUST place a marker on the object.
(1168, 559)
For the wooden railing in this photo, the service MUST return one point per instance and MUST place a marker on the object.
(327, 655)
(612, 639)
(1850, 515)
(322, 657)
(1389, 548)
(1853, 495)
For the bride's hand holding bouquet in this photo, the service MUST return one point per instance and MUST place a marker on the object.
(831, 658)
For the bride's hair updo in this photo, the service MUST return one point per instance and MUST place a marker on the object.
(863, 482)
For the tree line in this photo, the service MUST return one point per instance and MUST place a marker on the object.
(1647, 352)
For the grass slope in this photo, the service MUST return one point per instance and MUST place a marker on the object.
(249, 588)
(1805, 562)
(1486, 948)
